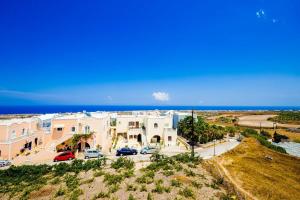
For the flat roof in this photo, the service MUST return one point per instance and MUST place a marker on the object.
(7, 122)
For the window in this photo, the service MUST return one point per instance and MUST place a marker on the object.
(73, 129)
(13, 134)
(59, 129)
(86, 129)
(131, 124)
(23, 131)
(155, 125)
(169, 138)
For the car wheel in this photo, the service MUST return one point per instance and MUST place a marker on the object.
(55, 160)
(121, 154)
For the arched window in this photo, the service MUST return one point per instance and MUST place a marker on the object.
(155, 125)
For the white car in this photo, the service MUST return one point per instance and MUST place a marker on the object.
(4, 163)
(92, 153)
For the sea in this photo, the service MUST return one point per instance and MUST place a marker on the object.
(44, 109)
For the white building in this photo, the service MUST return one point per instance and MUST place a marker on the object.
(146, 128)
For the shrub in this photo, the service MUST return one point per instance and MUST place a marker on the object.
(265, 134)
(131, 197)
(262, 140)
(196, 184)
(61, 169)
(123, 162)
(158, 188)
(111, 179)
(131, 187)
(187, 192)
(178, 167)
(99, 173)
(278, 137)
(167, 189)
(189, 172)
(75, 194)
(114, 188)
(72, 182)
(149, 196)
(168, 173)
(60, 192)
(55, 181)
(148, 177)
(102, 195)
(87, 181)
(143, 188)
(128, 173)
(175, 183)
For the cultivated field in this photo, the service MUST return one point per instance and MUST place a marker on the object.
(178, 177)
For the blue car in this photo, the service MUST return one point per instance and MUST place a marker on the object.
(126, 151)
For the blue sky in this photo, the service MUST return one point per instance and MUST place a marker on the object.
(208, 52)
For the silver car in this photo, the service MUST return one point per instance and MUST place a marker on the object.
(4, 163)
(92, 153)
(148, 150)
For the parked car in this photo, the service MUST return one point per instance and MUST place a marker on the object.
(126, 151)
(64, 156)
(148, 150)
(4, 163)
(92, 153)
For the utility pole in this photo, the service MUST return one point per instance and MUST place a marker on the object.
(192, 136)
(214, 144)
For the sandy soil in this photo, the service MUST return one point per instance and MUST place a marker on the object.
(261, 120)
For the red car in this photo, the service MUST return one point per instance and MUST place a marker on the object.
(64, 156)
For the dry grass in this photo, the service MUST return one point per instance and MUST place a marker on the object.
(249, 169)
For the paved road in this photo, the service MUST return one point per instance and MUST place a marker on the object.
(207, 153)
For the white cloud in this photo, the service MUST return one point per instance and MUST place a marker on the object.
(274, 21)
(260, 13)
(161, 96)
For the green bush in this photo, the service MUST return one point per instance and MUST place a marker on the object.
(102, 195)
(75, 194)
(131, 187)
(278, 137)
(187, 192)
(143, 188)
(55, 181)
(262, 140)
(265, 134)
(149, 196)
(189, 172)
(175, 183)
(168, 173)
(148, 177)
(123, 162)
(60, 192)
(114, 188)
(99, 173)
(111, 179)
(196, 184)
(158, 188)
(72, 182)
(131, 197)
(128, 173)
